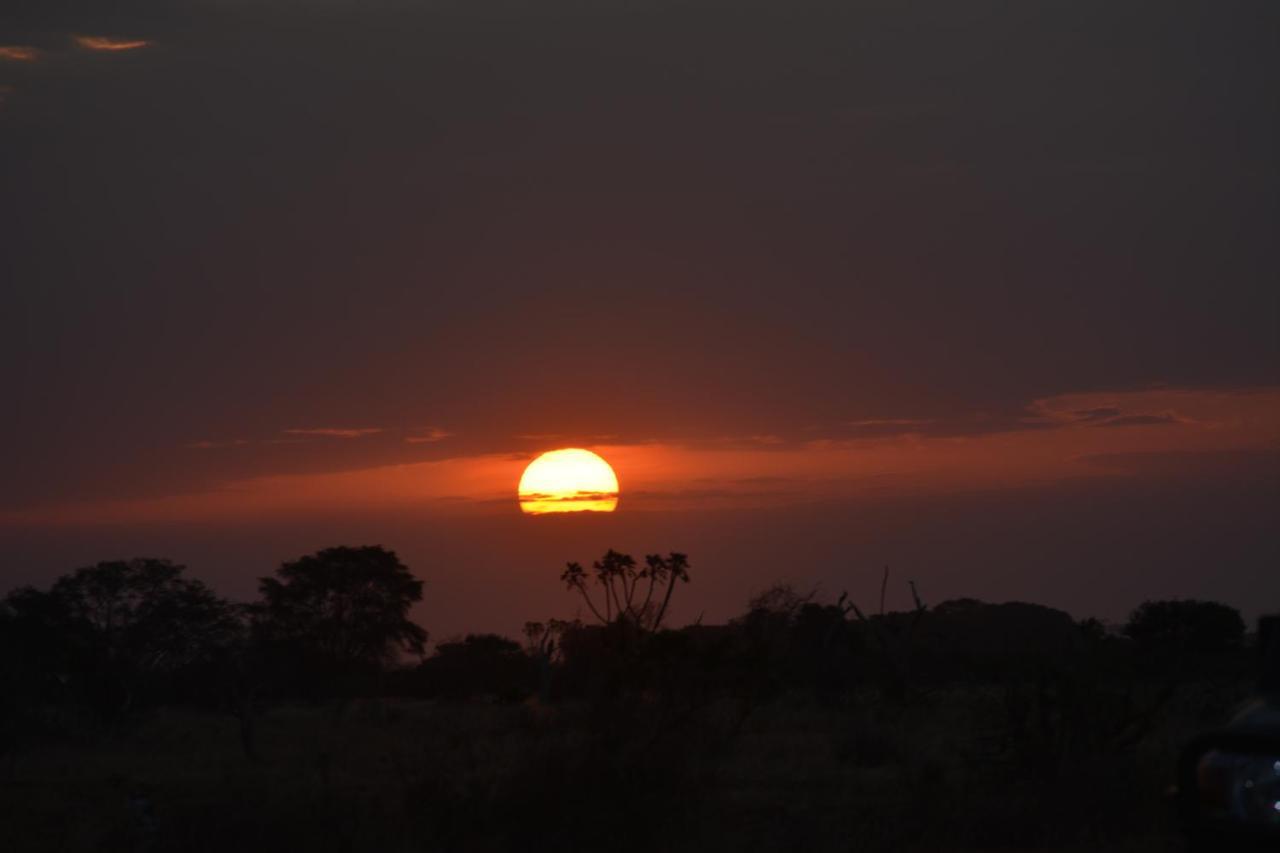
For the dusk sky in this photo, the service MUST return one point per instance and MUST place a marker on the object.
(986, 292)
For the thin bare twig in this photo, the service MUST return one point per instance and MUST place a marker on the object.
(884, 584)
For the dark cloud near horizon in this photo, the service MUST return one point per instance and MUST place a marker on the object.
(1244, 467)
(1099, 413)
(1025, 418)
(1138, 420)
(672, 222)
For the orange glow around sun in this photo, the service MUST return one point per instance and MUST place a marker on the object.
(568, 480)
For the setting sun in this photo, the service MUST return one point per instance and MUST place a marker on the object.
(568, 480)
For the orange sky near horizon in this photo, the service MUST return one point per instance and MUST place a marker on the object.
(1070, 436)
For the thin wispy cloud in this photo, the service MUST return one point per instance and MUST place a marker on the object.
(19, 53)
(1044, 414)
(1140, 420)
(335, 432)
(752, 441)
(108, 44)
(1108, 415)
(1100, 413)
(213, 445)
(896, 422)
(564, 437)
(429, 436)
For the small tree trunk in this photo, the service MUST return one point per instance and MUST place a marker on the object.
(248, 736)
(248, 728)
(544, 679)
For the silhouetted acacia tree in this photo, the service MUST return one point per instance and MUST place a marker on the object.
(116, 631)
(782, 599)
(339, 614)
(635, 595)
(796, 640)
(1187, 626)
(767, 628)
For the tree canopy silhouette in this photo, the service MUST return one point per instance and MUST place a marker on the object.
(113, 630)
(341, 610)
(1187, 625)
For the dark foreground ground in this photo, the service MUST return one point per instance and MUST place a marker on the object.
(959, 769)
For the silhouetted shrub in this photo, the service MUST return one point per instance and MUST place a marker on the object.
(966, 640)
(1187, 626)
(478, 665)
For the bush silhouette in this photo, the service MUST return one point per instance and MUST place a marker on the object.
(478, 665)
(1187, 626)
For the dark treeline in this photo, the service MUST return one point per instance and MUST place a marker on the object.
(116, 638)
(108, 641)
(654, 713)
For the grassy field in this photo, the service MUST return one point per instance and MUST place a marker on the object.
(943, 773)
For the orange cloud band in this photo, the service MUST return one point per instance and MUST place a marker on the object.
(109, 44)
(18, 53)
(1095, 436)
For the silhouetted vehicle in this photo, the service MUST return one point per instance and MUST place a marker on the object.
(1229, 780)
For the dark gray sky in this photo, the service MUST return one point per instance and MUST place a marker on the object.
(502, 225)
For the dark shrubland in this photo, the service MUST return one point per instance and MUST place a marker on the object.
(133, 698)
